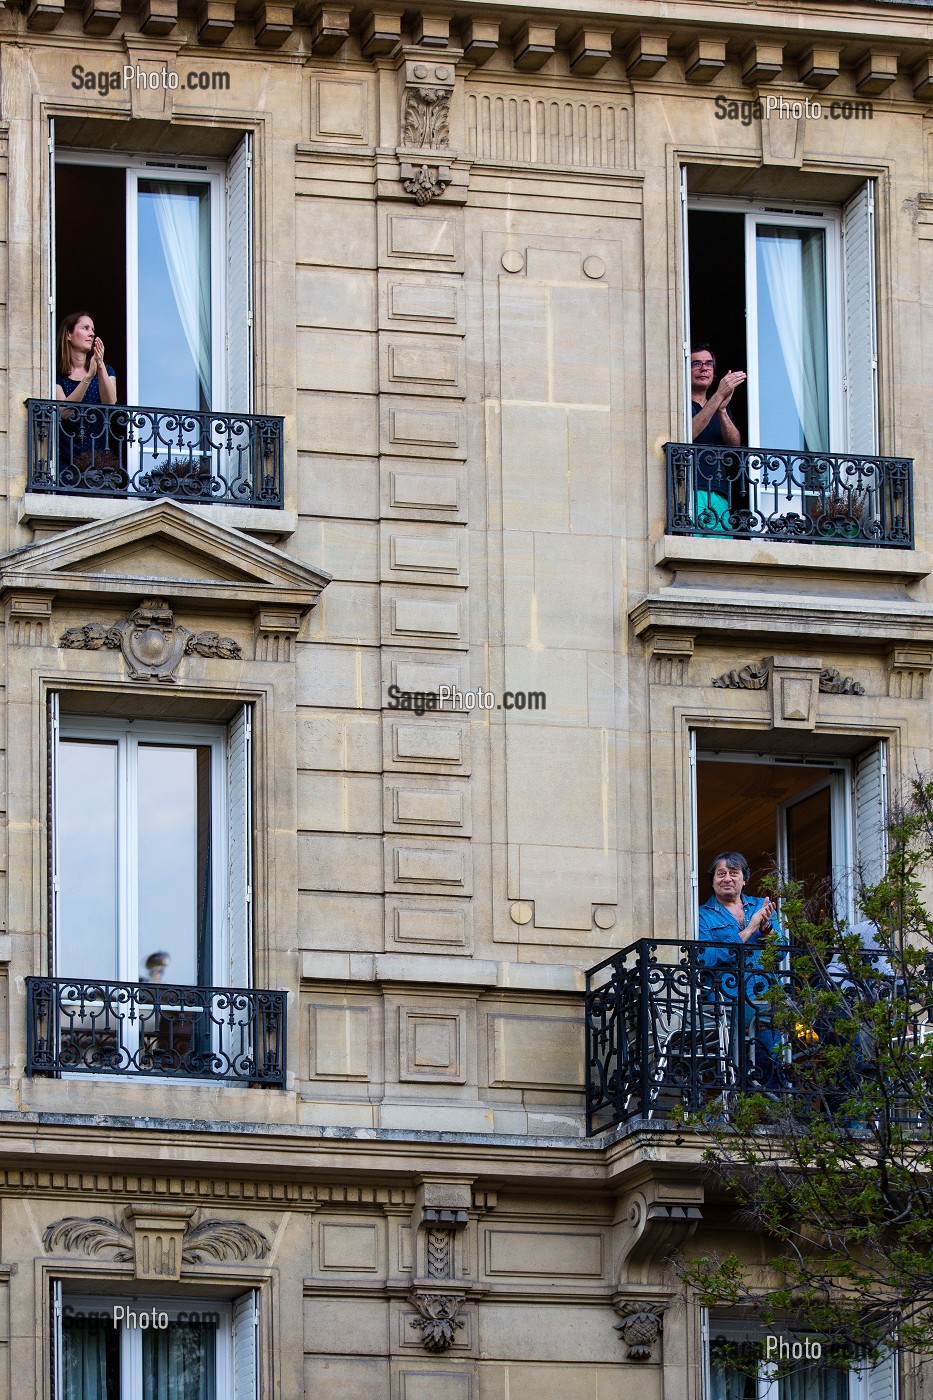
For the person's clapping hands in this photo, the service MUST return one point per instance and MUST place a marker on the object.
(728, 385)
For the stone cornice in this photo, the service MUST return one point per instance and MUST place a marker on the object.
(869, 622)
(590, 43)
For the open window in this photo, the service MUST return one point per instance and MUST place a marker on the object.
(737, 1366)
(821, 821)
(150, 1348)
(158, 250)
(786, 292)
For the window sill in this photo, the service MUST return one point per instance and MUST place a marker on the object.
(49, 515)
(690, 553)
(433, 969)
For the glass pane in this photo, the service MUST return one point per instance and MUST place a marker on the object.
(179, 1362)
(174, 864)
(809, 845)
(90, 1358)
(86, 817)
(793, 369)
(174, 262)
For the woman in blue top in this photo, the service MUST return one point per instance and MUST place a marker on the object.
(733, 917)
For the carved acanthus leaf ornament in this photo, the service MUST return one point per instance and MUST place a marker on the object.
(151, 642)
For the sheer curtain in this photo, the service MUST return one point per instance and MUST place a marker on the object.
(178, 1362)
(185, 236)
(90, 1359)
(815, 1383)
(793, 265)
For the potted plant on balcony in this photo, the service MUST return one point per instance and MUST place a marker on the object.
(843, 516)
(187, 479)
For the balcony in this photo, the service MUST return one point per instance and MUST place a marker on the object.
(755, 493)
(153, 1030)
(664, 1031)
(122, 452)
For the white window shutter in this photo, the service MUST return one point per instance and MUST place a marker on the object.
(694, 836)
(881, 1380)
(58, 1367)
(685, 284)
(861, 355)
(53, 329)
(52, 829)
(239, 273)
(239, 850)
(246, 1347)
(871, 781)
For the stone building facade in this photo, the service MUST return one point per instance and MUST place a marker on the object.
(410, 292)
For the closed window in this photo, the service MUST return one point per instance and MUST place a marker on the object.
(150, 851)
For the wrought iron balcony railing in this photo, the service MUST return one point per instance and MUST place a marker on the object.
(150, 453)
(748, 493)
(680, 1024)
(151, 1029)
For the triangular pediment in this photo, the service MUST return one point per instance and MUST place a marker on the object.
(164, 549)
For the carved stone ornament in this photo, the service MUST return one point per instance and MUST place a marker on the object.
(639, 1327)
(756, 675)
(437, 1322)
(425, 182)
(426, 118)
(831, 683)
(151, 643)
(151, 1238)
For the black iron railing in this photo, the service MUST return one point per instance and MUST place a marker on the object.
(750, 493)
(152, 453)
(681, 1024)
(151, 1029)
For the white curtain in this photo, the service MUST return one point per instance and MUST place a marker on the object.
(815, 1383)
(185, 236)
(792, 262)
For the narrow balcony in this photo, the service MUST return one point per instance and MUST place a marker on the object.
(753, 493)
(153, 1030)
(151, 453)
(681, 1024)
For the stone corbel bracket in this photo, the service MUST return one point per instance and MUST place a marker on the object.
(442, 1211)
(639, 1325)
(653, 1222)
(426, 91)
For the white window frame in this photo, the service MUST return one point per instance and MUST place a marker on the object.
(128, 735)
(190, 171)
(796, 214)
(131, 1338)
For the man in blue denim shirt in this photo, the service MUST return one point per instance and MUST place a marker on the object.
(733, 917)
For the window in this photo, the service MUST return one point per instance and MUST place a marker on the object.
(792, 303)
(736, 1368)
(150, 1348)
(815, 819)
(170, 287)
(150, 850)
